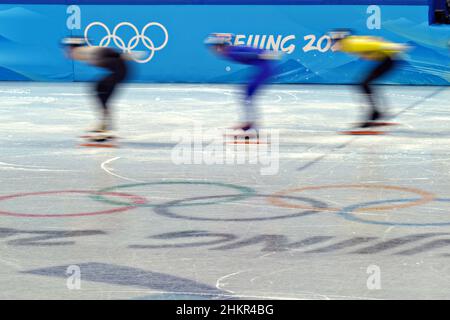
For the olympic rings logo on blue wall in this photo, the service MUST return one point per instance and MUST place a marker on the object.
(128, 47)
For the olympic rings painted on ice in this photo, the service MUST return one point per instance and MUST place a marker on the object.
(136, 200)
(133, 42)
(163, 209)
(313, 206)
(425, 196)
(349, 214)
(245, 191)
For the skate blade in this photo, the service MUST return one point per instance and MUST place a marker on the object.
(233, 139)
(363, 132)
(247, 142)
(381, 124)
(92, 136)
(385, 123)
(99, 145)
(241, 135)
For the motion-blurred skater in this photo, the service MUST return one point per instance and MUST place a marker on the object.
(105, 58)
(261, 60)
(385, 54)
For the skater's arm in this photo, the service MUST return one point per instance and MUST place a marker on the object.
(88, 54)
(270, 55)
(133, 55)
(250, 54)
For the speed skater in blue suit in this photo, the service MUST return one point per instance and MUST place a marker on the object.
(262, 60)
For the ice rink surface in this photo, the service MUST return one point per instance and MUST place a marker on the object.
(336, 217)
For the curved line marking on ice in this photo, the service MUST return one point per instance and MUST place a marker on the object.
(109, 170)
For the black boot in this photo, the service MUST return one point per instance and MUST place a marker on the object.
(371, 122)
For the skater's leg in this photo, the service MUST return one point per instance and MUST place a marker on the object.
(250, 112)
(381, 69)
(106, 87)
